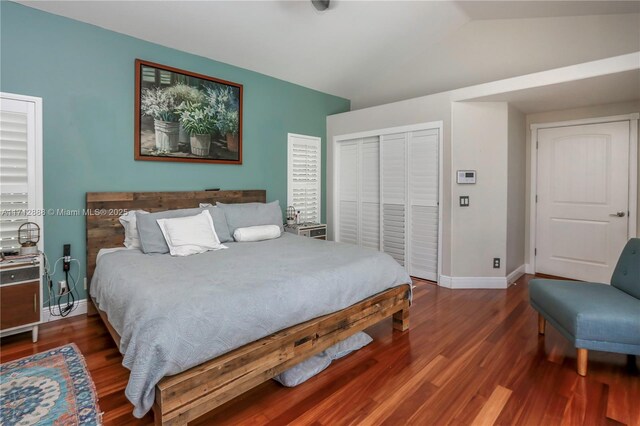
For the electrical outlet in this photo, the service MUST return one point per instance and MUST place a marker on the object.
(496, 262)
(62, 286)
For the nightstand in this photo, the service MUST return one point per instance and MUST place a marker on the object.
(312, 230)
(20, 297)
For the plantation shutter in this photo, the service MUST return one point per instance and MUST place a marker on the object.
(394, 186)
(17, 169)
(370, 192)
(388, 196)
(423, 203)
(304, 176)
(348, 192)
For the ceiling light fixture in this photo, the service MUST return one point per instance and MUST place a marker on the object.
(321, 5)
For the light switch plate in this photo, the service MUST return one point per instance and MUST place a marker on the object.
(464, 201)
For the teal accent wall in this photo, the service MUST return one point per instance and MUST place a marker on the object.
(85, 76)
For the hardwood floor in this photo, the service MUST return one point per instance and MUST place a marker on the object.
(469, 357)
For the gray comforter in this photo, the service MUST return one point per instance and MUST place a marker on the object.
(173, 313)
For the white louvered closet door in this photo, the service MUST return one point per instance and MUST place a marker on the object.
(304, 176)
(369, 223)
(394, 198)
(17, 169)
(348, 192)
(422, 179)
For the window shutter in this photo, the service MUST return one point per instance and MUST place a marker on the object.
(148, 74)
(304, 176)
(14, 176)
(18, 174)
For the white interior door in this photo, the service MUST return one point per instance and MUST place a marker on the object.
(423, 204)
(394, 187)
(369, 155)
(582, 193)
(348, 192)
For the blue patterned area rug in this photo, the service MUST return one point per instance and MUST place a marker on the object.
(49, 388)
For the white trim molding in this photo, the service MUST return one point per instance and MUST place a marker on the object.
(457, 283)
(517, 273)
(633, 174)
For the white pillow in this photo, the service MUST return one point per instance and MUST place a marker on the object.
(256, 233)
(190, 235)
(128, 221)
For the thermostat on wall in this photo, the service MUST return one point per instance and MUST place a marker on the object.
(466, 176)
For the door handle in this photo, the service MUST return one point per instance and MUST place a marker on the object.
(618, 214)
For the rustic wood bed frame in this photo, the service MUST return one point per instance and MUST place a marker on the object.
(186, 396)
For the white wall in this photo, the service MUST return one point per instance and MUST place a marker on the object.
(566, 115)
(479, 232)
(516, 190)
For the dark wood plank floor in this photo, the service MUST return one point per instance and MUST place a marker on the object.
(470, 357)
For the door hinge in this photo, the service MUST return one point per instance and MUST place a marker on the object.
(535, 251)
(536, 198)
(536, 144)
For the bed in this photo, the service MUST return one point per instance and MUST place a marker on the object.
(234, 332)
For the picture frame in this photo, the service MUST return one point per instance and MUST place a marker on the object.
(185, 116)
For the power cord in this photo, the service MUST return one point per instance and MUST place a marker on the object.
(70, 304)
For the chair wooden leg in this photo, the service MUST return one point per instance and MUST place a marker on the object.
(541, 324)
(583, 356)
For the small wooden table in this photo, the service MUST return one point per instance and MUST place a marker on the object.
(20, 297)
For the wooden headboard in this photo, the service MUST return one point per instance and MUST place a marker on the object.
(105, 231)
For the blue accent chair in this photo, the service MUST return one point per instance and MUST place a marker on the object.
(594, 316)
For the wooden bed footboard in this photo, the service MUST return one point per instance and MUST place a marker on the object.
(186, 396)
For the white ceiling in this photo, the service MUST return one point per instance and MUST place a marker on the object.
(605, 89)
(545, 8)
(375, 52)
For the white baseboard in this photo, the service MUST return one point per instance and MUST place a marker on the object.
(513, 277)
(528, 268)
(79, 309)
(481, 282)
(473, 282)
(444, 281)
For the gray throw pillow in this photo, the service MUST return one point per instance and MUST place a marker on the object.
(348, 345)
(308, 368)
(151, 237)
(252, 214)
(302, 372)
(220, 224)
